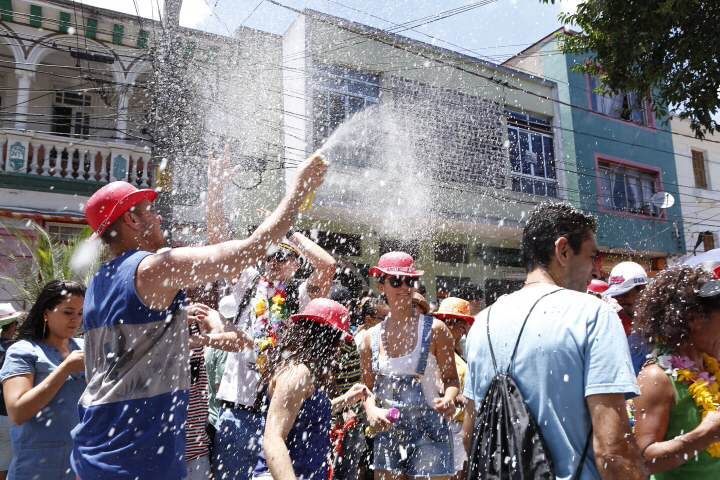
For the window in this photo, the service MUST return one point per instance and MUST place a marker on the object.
(118, 33)
(445, 285)
(495, 288)
(342, 244)
(340, 93)
(407, 246)
(64, 232)
(36, 16)
(532, 154)
(630, 107)
(71, 114)
(7, 10)
(142, 39)
(91, 28)
(64, 23)
(698, 162)
(451, 252)
(495, 257)
(627, 189)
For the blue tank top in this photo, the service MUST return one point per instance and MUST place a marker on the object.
(133, 411)
(309, 440)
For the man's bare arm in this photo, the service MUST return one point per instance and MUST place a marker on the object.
(616, 453)
(160, 276)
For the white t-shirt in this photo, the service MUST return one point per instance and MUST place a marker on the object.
(240, 379)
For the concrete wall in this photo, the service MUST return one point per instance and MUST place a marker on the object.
(471, 211)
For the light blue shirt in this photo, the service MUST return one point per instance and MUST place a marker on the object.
(573, 346)
(42, 445)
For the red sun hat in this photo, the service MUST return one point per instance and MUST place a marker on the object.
(597, 286)
(395, 264)
(326, 312)
(111, 201)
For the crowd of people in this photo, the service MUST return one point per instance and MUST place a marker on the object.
(285, 369)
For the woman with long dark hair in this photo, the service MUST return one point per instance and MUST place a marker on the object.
(43, 377)
(677, 420)
(300, 381)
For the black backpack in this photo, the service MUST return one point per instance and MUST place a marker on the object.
(507, 442)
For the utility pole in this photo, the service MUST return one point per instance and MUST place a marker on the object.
(167, 89)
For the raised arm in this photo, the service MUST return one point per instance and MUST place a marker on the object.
(319, 283)
(292, 388)
(616, 453)
(160, 276)
(653, 407)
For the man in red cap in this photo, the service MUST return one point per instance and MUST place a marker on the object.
(134, 409)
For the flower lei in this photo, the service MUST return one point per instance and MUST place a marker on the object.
(703, 386)
(269, 319)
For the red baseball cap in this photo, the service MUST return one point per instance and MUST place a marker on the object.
(111, 201)
(597, 286)
(326, 312)
(395, 264)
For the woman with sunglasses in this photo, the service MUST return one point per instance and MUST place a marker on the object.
(408, 361)
(300, 382)
(43, 377)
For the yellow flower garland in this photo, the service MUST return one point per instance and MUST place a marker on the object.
(705, 395)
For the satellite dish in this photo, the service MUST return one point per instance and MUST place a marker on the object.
(662, 200)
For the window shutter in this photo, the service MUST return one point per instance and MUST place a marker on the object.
(708, 241)
(698, 160)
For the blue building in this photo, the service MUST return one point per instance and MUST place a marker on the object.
(615, 155)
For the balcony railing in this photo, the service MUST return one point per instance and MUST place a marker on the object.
(58, 157)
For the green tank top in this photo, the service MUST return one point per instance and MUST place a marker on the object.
(685, 416)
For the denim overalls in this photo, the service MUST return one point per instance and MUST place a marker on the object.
(420, 443)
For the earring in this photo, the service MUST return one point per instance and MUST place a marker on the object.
(44, 328)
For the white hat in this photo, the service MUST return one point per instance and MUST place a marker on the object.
(624, 277)
(8, 314)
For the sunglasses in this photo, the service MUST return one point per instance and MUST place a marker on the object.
(395, 282)
(282, 257)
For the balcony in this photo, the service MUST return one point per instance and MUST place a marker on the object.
(39, 161)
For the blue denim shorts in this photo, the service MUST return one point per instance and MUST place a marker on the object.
(419, 445)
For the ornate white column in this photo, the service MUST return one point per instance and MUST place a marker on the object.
(22, 107)
(122, 114)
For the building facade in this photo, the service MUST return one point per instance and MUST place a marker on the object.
(433, 152)
(698, 166)
(621, 156)
(75, 114)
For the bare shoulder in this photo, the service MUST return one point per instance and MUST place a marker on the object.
(440, 328)
(655, 383)
(295, 378)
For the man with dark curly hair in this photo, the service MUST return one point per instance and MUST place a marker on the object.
(572, 363)
(677, 422)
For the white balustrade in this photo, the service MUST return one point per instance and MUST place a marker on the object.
(78, 160)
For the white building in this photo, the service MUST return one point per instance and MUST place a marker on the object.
(74, 115)
(448, 156)
(698, 168)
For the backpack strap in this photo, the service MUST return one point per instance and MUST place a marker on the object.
(375, 346)
(579, 468)
(517, 342)
(511, 364)
(424, 345)
(492, 352)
